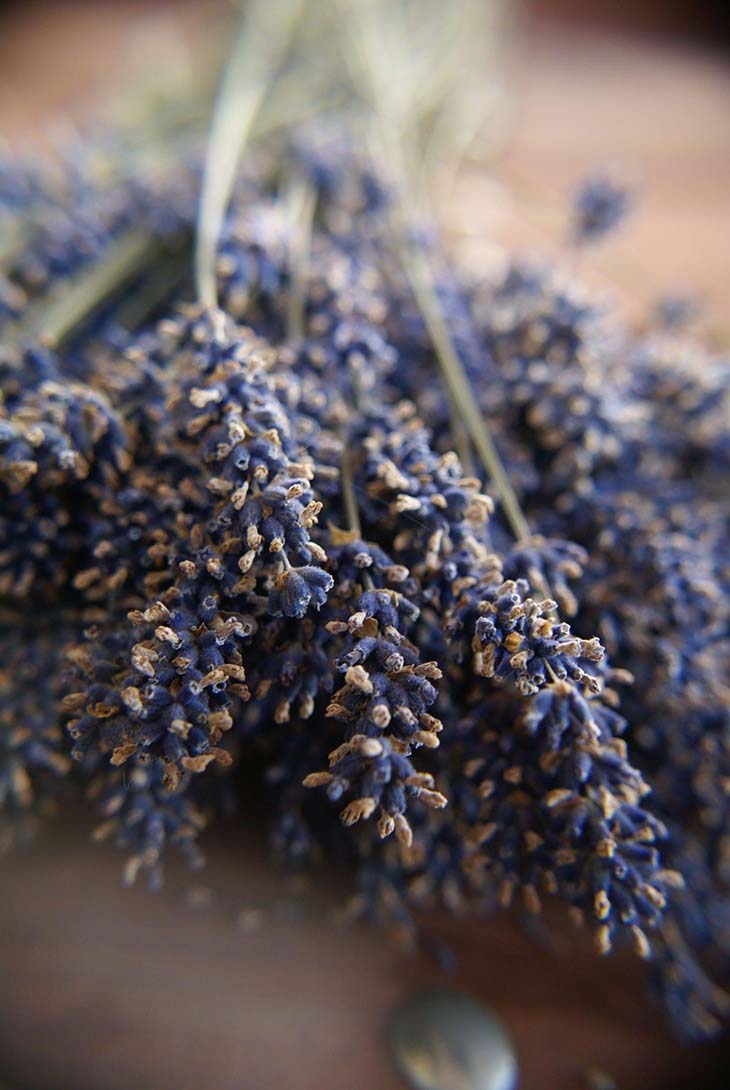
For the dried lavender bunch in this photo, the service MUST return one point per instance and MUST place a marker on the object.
(265, 548)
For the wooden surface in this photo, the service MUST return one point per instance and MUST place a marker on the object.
(105, 989)
(111, 989)
(579, 101)
(658, 115)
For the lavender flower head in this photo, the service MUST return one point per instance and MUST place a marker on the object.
(600, 206)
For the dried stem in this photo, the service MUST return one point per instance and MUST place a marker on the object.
(348, 494)
(52, 320)
(418, 271)
(302, 200)
(352, 512)
(393, 140)
(12, 237)
(259, 47)
(159, 285)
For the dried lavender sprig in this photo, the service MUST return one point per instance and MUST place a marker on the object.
(32, 752)
(419, 273)
(561, 811)
(144, 817)
(385, 698)
(81, 215)
(160, 690)
(393, 141)
(513, 637)
(600, 205)
(61, 447)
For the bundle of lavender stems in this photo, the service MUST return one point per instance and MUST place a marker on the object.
(434, 565)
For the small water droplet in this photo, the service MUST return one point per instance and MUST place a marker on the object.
(444, 1040)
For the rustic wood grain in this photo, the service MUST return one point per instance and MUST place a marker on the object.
(111, 989)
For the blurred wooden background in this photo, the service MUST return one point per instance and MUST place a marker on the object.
(582, 98)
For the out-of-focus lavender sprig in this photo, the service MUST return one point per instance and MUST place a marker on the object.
(600, 205)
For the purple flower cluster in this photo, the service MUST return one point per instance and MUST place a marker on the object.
(384, 704)
(268, 559)
(33, 755)
(561, 811)
(62, 448)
